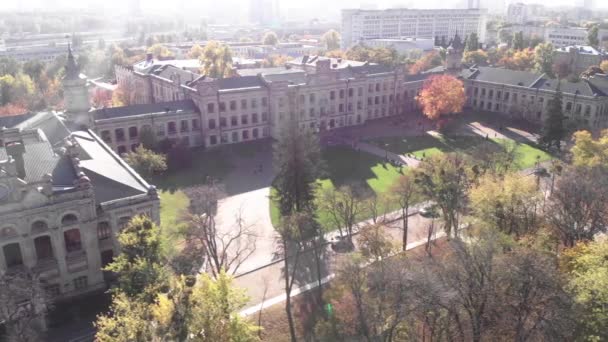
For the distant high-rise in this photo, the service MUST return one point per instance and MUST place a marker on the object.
(473, 4)
(360, 25)
(264, 12)
(134, 7)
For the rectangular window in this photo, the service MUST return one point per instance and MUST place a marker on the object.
(160, 130)
(232, 105)
(195, 124)
(341, 93)
(243, 104)
(223, 122)
(212, 140)
(210, 107)
(211, 123)
(245, 135)
(254, 103)
(264, 101)
(234, 121)
(222, 106)
(244, 119)
(332, 95)
(183, 126)
(264, 117)
(351, 92)
(81, 283)
(254, 118)
(341, 108)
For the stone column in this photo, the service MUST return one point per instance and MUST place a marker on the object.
(59, 253)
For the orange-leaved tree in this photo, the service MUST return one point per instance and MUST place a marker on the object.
(441, 94)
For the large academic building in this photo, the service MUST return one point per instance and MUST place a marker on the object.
(64, 195)
(321, 94)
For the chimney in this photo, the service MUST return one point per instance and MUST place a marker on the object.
(16, 150)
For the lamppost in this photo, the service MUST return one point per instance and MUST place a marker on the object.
(386, 145)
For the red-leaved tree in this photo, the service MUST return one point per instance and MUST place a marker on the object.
(440, 95)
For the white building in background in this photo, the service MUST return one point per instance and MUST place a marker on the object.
(360, 25)
(402, 45)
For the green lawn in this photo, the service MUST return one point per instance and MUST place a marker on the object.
(172, 204)
(345, 166)
(427, 145)
(205, 164)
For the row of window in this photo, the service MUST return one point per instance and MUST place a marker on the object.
(234, 120)
(236, 137)
(171, 127)
(569, 105)
(233, 105)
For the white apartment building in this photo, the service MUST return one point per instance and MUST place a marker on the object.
(359, 25)
(403, 45)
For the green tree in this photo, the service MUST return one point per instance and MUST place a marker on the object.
(146, 162)
(518, 41)
(543, 59)
(216, 60)
(593, 36)
(270, 38)
(589, 152)
(139, 266)
(215, 305)
(297, 159)
(444, 180)
(586, 266)
(159, 51)
(510, 204)
(8, 66)
(553, 131)
(406, 193)
(331, 39)
(472, 43)
(34, 69)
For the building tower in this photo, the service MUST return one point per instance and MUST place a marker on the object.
(455, 51)
(75, 93)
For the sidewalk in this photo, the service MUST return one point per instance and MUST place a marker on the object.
(382, 153)
(265, 286)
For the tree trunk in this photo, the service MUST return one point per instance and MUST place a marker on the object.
(405, 213)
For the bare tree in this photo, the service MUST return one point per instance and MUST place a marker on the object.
(344, 206)
(376, 205)
(23, 304)
(224, 249)
(577, 208)
(406, 193)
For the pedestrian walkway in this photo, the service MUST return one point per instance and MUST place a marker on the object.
(265, 286)
(382, 153)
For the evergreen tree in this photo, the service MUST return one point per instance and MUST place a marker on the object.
(518, 41)
(553, 130)
(593, 36)
(472, 43)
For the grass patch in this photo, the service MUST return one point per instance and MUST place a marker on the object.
(212, 163)
(428, 145)
(345, 166)
(172, 204)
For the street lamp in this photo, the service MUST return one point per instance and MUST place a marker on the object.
(386, 145)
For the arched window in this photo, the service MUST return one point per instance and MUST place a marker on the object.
(39, 226)
(44, 248)
(7, 232)
(72, 240)
(12, 255)
(69, 219)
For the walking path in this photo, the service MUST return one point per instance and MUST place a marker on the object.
(265, 285)
(382, 153)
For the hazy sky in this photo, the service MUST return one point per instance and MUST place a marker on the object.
(168, 4)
